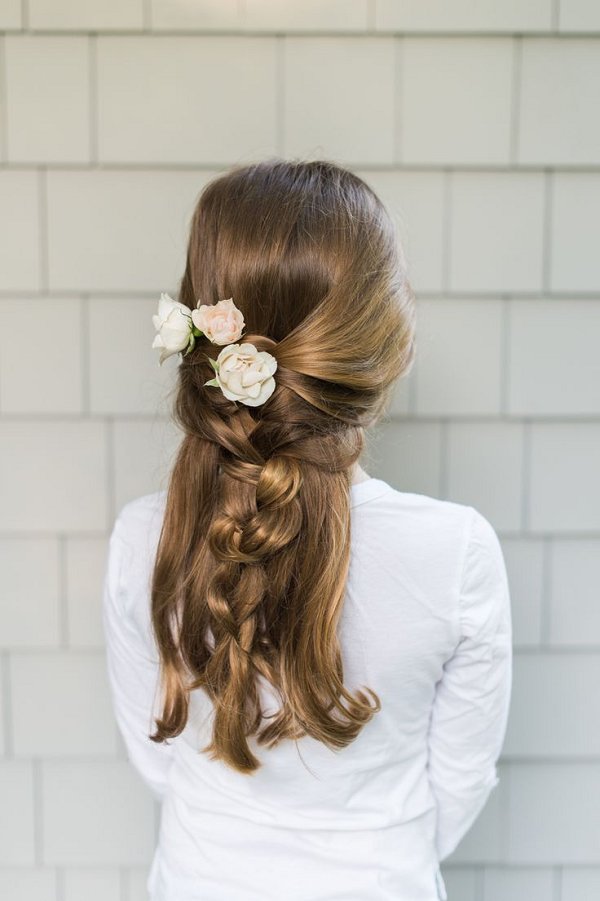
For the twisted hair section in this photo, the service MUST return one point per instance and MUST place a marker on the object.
(252, 563)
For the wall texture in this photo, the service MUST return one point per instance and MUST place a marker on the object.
(478, 123)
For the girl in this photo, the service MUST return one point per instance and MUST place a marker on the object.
(310, 668)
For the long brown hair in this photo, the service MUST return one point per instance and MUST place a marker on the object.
(253, 555)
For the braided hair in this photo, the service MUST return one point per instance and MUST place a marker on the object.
(254, 550)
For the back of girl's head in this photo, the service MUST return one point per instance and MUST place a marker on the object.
(253, 556)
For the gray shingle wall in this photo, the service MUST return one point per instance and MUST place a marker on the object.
(478, 124)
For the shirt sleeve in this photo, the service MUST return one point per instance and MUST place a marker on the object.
(133, 671)
(471, 704)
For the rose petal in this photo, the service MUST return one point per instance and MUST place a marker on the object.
(234, 382)
(268, 388)
(252, 377)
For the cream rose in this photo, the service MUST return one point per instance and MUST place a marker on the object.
(173, 324)
(222, 322)
(244, 373)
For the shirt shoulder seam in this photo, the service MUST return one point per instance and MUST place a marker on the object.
(466, 547)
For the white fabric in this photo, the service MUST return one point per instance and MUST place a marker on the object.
(426, 624)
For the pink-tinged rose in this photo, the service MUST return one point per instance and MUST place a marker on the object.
(222, 323)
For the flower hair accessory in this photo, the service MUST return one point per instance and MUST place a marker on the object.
(242, 372)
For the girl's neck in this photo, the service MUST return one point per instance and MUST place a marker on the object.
(359, 475)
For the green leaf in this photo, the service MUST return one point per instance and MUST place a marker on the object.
(196, 331)
(213, 382)
(214, 364)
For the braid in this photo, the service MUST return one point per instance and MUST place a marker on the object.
(260, 514)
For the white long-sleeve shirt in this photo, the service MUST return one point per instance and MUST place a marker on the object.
(426, 623)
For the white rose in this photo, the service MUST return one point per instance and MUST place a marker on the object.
(173, 325)
(244, 373)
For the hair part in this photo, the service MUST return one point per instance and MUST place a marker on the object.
(253, 555)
